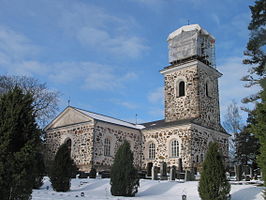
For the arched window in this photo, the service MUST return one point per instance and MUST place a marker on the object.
(174, 148)
(180, 89)
(197, 158)
(68, 142)
(151, 151)
(107, 147)
(201, 157)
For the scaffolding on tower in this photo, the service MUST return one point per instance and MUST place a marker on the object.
(189, 42)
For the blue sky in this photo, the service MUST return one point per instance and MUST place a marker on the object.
(106, 55)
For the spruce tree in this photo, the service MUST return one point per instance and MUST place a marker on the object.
(124, 177)
(258, 127)
(213, 184)
(19, 137)
(255, 51)
(62, 169)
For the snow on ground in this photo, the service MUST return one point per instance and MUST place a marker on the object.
(99, 189)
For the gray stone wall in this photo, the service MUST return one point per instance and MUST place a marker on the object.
(195, 103)
(209, 105)
(193, 141)
(162, 138)
(185, 107)
(81, 136)
(117, 134)
(201, 137)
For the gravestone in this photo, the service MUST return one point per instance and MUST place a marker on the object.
(172, 173)
(154, 173)
(163, 172)
(149, 168)
(189, 176)
(180, 167)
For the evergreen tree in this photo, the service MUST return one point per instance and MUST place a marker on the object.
(124, 177)
(19, 137)
(213, 184)
(62, 169)
(39, 170)
(247, 148)
(258, 127)
(255, 50)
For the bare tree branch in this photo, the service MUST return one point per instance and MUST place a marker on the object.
(45, 101)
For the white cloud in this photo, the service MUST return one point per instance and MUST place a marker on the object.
(156, 96)
(155, 5)
(125, 104)
(231, 87)
(215, 18)
(94, 28)
(14, 46)
(157, 112)
(15, 50)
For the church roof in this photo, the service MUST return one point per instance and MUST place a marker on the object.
(108, 119)
(162, 123)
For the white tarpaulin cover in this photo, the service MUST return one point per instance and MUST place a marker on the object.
(191, 40)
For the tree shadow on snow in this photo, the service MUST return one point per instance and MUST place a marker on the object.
(90, 186)
(157, 189)
(247, 193)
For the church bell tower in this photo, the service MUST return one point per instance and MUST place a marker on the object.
(191, 79)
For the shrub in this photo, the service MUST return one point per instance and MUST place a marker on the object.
(124, 177)
(62, 169)
(213, 184)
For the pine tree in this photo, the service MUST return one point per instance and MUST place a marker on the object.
(213, 184)
(124, 177)
(255, 50)
(62, 169)
(19, 137)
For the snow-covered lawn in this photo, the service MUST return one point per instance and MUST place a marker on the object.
(99, 189)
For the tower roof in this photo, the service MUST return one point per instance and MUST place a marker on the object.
(186, 28)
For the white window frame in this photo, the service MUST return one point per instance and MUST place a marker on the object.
(174, 148)
(151, 151)
(107, 147)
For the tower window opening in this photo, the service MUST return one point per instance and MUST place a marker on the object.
(207, 89)
(181, 89)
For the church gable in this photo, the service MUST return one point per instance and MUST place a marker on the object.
(67, 117)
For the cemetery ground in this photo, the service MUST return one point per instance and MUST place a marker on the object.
(99, 189)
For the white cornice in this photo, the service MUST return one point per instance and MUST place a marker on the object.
(189, 64)
(176, 68)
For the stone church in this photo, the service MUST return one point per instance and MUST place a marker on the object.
(192, 115)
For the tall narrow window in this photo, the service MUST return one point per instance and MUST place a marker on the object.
(181, 89)
(207, 89)
(201, 157)
(68, 142)
(107, 147)
(174, 148)
(151, 151)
